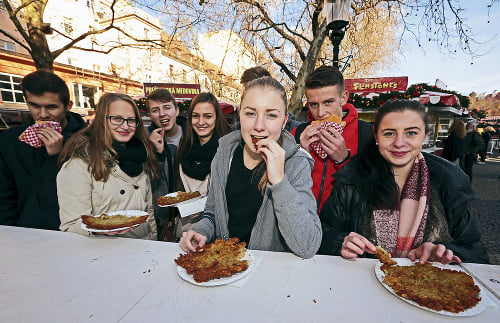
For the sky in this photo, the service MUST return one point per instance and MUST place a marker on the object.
(426, 64)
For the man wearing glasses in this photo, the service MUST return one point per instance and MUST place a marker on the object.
(28, 194)
(165, 133)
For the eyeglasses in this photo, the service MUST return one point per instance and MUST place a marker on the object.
(118, 121)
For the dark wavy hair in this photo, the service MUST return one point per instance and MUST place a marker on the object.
(376, 178)
(42, 81)
(188, 136)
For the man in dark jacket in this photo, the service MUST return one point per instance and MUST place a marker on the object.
(473, 142)
(28, 193)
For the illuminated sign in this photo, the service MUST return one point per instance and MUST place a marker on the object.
(178, 90)
(380, 84)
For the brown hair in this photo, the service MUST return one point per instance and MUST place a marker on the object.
(42, 81)
(162, 95)
(458, 128)
(325, 76)
(253, 73)
(266, 82)
(221, 129)
(99, 140)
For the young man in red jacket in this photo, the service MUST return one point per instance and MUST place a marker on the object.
(326, 96)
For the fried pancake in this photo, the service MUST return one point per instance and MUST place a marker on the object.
(181, 197)
(332, 118)
(110, 222)
(433, 287)
(384, 256)
(218, 259)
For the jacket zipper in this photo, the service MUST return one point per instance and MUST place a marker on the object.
(322, 183)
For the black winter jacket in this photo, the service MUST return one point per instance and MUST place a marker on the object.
(448, 222)
(28, 192)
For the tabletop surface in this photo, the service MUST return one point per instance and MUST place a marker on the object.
(49, 276)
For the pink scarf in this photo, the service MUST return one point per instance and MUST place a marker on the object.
(400, 230)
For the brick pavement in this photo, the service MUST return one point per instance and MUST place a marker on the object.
(486, 184)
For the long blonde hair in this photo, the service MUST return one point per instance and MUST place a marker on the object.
(266, 82)
(99, 140)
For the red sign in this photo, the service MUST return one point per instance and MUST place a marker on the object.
(379, 84)
(178, 90)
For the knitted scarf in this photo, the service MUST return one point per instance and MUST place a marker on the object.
(131, 156)
(196, 164)
(400, 230)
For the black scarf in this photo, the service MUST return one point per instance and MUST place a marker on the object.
(197, 162)
(131, 156)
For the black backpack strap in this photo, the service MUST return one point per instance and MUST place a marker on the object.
(298, 131)
(365, 132)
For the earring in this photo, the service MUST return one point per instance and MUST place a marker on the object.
(376, 143)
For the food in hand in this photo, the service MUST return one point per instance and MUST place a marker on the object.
(218, 259)
(30, 137)
(433, 287)
(110, 222)
(255, 140)
(180, 197)
(332, 118)
(384, 256)
(332, 121)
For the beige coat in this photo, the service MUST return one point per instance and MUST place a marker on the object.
(79, 193)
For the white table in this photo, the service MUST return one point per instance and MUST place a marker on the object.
(48, 276)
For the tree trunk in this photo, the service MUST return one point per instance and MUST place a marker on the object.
(307, 67)
(40, 51)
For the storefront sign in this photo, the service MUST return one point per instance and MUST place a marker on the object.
(380, 84)
(178, 90)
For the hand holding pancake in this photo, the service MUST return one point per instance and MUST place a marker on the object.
(274, 156)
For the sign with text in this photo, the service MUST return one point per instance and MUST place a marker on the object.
(178, 90)
(379, 84)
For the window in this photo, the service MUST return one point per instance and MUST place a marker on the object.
(171, 68)
(7, 45)
(68, 25)
(146, 33)
(84, 95)
(90, 4)
(10, 88)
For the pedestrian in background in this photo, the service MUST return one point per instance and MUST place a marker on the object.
(488, 133)
(473, 142)
(454, 144)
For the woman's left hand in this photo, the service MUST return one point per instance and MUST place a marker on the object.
(274, 156)
(113, 233)
(428, 251)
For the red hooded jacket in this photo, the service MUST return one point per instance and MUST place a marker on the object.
(324, 169)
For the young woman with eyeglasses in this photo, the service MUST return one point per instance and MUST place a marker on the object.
(107, 167)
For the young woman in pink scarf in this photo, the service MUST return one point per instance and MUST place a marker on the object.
(411, 203)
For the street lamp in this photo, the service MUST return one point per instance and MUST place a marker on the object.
(337, 19)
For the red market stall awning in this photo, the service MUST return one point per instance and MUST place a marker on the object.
(226, 107)
(438, 97)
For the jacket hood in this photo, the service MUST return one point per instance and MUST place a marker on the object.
(75, 123)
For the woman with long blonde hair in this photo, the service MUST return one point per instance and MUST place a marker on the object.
(108, 167)
(260, 190)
